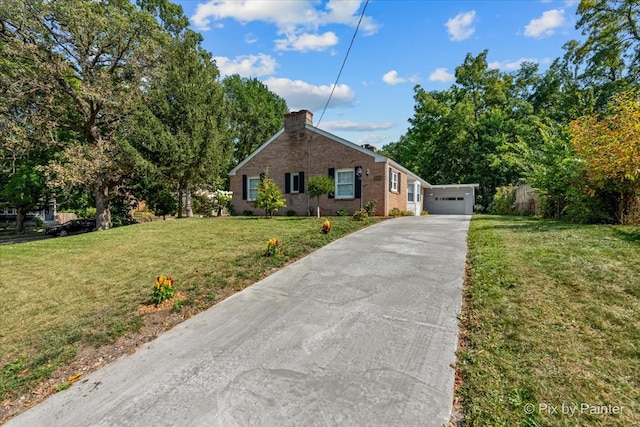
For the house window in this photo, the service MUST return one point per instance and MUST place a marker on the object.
(345, 179)
(295, 183)
(394, 181)
(418, 191)
(410, 192)
(252, 184)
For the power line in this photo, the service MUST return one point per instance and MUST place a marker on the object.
(343, 63)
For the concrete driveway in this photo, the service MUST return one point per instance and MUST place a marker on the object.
(361, 332)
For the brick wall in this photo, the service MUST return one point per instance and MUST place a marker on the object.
(301, 150)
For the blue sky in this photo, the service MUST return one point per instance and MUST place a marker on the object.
(296, 47)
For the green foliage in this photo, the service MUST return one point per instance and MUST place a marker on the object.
(202, 204)
(273, 247)
(370, 207)
(255, 114)
(395, 212)
(342, 212)
(269, 196)
(247, 213)
(163, 289)
(290, 212)
(320, 185)
(162, 200)
(360, 215)
(504, 201)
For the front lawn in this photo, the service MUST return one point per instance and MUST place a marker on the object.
(60, 295)
(551, 324)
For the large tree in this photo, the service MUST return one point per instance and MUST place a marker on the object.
(181, 127)
(97, 55)
(472, 131)
(256, 114)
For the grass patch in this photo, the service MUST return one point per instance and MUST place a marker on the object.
(59, 295)
(551, 324)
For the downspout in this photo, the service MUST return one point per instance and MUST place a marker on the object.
(385, 186)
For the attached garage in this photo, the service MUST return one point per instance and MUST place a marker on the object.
(455, 199)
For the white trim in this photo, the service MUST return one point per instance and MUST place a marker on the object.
(394, 181)
(353, 184)
(249, 179)
(292, 180)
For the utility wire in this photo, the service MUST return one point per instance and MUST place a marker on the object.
(343, 63)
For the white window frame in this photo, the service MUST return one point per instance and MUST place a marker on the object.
(292, 180)
(352, 173)
(411, 193)
(418, 191)
(250, 179)
(394, 181)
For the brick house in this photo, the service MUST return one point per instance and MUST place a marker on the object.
(300, 150)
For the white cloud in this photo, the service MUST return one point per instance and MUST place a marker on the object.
(515, 65)
(247, 65)
(546, 24)
(392, 78)
(306, 42)
(442, 75)
(461, 27)
(373, 139)
(293, 18)
(348, 125)
(305, 96)
(250, 38)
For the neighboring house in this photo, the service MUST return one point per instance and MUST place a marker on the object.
(47, 214)
(300, 150)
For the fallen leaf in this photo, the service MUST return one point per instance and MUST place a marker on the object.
(74, 378)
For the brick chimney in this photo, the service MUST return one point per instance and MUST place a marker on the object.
(294, 122)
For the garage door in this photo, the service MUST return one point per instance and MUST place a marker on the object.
(448, 205)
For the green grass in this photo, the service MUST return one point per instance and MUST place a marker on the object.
(551, 318)
(59, 295)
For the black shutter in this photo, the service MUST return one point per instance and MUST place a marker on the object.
(287, 183)
(262, 176)
(390, 179)
(332, 174)
(358, 184)
(301, 184)
(244, 187)
(399, 183)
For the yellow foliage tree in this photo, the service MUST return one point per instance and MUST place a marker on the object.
(610, 145)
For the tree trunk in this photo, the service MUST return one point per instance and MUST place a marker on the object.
(188, 208)
(103, 213)
(180, 200)
(20, 219)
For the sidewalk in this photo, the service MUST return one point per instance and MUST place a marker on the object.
(361, 332)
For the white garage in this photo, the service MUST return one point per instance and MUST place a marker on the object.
(455, 199)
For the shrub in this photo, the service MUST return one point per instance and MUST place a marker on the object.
(424, 213)
(163, 289)
(247, 213)
(343, 212)
(370, 207)
(360, 215)
(290, 212)
(319, 185)
(394, 212)
(397, 212)
(504, 201)
(269, 196)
